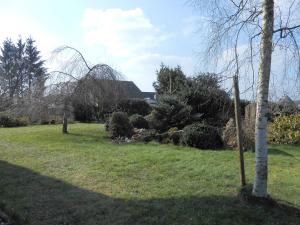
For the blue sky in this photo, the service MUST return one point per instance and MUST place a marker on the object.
(132, 36)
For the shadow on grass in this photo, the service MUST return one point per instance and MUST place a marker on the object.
(47, 201)
(275, 151)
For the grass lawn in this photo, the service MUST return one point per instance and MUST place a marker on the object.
(82, 178)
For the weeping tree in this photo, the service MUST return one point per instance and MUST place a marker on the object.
(75, 80)
(235, 29)
(96, 97)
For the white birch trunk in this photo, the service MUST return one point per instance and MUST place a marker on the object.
(261, 148)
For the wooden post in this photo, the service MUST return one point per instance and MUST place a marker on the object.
(239, 136)
(65, 124)
(65, 120)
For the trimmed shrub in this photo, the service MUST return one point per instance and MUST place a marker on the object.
(119, 125)
(285, 130)
(138, 121)
(202, 136)
(170, 112)
(134, 106)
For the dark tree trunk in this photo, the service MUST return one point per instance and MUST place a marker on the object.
(65, 124)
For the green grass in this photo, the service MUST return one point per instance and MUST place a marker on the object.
(82, 178)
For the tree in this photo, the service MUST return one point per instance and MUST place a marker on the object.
(96, 97)
(78, 81)
(21, 66)
(8, 69)
(235, 23)
(204, 94)
(170, 112)
(35, 70)
(261, 150)
(170, 81)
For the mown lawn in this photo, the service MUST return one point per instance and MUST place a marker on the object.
(82, 178)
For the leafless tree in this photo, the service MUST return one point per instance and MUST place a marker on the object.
(76, 80)
(235, 29)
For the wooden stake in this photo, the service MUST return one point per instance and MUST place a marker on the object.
(238, 123)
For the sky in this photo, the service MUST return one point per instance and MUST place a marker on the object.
(133, 36)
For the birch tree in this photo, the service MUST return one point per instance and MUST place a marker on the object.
(235, 27)
(261, 148)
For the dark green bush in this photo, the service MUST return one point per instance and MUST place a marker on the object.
(175, 135)
(205, 95)
(134, 106)
(201, 135)
(138, 121)
(84, 112)
(170, 112)
(7, 121)
(150, 120)
(119, 125)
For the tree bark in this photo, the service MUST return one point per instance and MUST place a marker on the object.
(65, 123)
(238, 122)
(261, 148)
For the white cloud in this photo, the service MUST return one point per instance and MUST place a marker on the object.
(14, 25)
(142, 69)
(131, 38)
(121, 32)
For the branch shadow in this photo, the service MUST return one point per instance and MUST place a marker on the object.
(43, 200)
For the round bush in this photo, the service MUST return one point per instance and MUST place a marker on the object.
(285, 130)
(119, 125)
(202, 136)
(138, 121)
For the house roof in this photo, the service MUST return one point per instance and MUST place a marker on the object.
(132, 91)
(149, 95)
